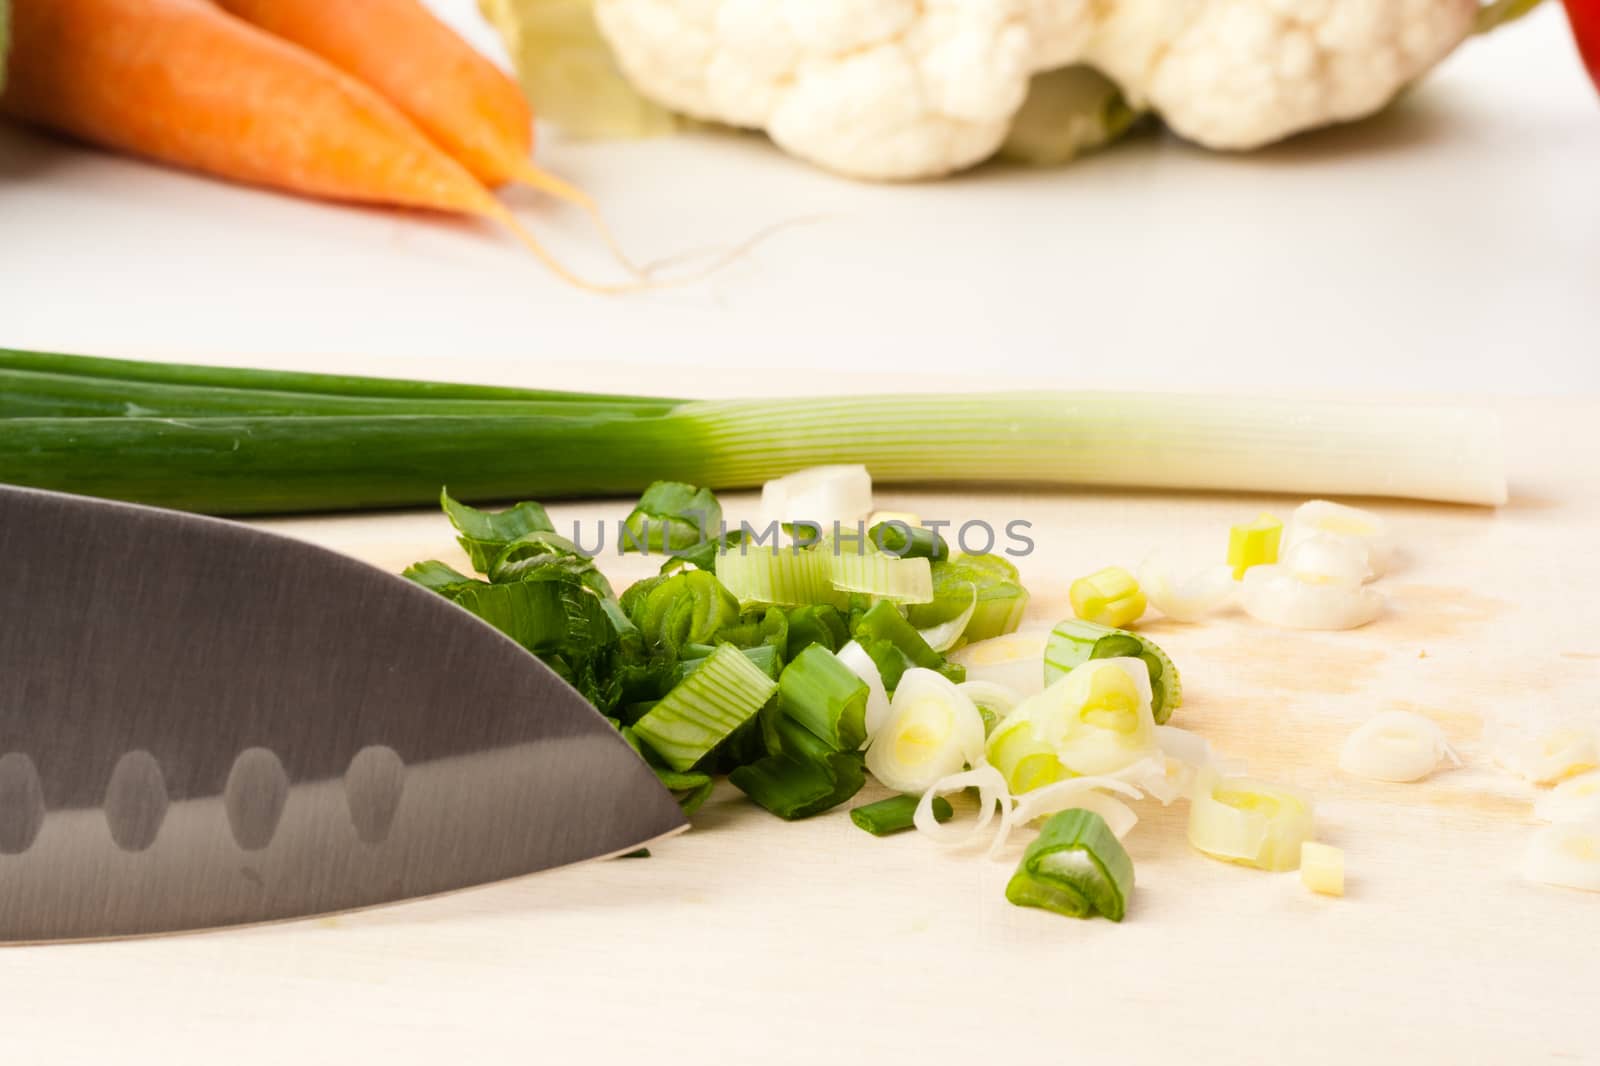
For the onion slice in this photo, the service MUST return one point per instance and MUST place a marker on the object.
(1550, 756)
(821, 495)
(1576, 799)
(1565, 855)
(1190, 597)
(944, 636)
(1395, 746)
(1240, 820)
(854, 656)
(933, 730)
(992, 793)
(1075, 793)
(1015, 660)
(1363, 531)
(1281, 597)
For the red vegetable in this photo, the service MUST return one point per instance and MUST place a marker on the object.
(1585, 18)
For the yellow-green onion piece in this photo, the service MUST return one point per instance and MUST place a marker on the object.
(1240, 820)
(1074, 642)
(1001, 597)
(947, 635)
(785, 576)
(1577, 799)
(1076, 867)
(1110, 597)
(883, 577)
(689, 722)
(825, 696)
(1014, 660)
(1254, 544)
(933, 730)
(1095, 720)
(896, 814)
(1322, 868)
(1566, 855)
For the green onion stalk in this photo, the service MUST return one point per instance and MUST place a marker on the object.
(247, 442)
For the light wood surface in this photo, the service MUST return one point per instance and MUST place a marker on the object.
(752, 940)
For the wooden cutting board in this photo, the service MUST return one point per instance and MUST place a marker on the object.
(750, 939)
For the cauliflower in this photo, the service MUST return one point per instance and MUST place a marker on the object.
(896, 89)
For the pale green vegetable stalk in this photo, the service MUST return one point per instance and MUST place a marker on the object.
(1067, 113)
(568, 72)
(703, 710)
(259, 442)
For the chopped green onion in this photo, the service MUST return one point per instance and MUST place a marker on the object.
(1001, 599)
(672, 516)
(1076, 867)
(994, 701)
(794, 788)
(1095, 720)
(825, 696)
(906, 541)
(703, 711)
(816, 623)
(485, 534)
(1110, 597)
(1014, 660)
(685, 608)
(933, 730)
(883, 577)
(437, 576)
(1074, 642)
(1249, 822)
(946, 635)
(883, 624)
(896, 814)
(1254, 544)
(689, 789)
(785, 576)
(860, 663)
(764, 656)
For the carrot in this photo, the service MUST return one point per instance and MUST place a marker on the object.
(183, 82)
(466, 104)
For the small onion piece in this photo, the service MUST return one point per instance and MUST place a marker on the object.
(1280, 597)
(1015, 660)
(933, 730)
(945, 635)
(1549, 756)
(854, 656)
(992, 793)
(1325, 558)
(1240, 820)
(1566, 855)
(1395, 746)
(1576, 799)
(1191, 597)
(1077, 793)
(819, 494)
(1362, 530)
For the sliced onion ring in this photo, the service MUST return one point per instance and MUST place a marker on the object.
(992, 793)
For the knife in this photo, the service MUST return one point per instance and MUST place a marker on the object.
(203, 724)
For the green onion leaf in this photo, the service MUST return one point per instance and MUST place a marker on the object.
(685, 608)
(825, 696)
(1076, 867)
(904, 541)
(485, 534)
(672, 516)
(438, 577)
(704, 710)
(816, 623)
(883, 623)
(896, 814)
(1076, 641)
(1001, 597)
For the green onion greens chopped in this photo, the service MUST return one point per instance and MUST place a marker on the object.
(1075, 867)
(1075, 641)
(896, 814)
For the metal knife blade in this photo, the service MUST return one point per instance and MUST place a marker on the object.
(203, 724)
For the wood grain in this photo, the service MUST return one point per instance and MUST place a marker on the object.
(750, 939)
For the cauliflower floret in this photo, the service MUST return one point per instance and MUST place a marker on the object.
(917, 88)
(870, 88)
(1244, 73)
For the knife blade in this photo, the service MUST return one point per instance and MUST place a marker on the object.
(203, 724)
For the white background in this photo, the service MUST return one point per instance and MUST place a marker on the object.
(1452, 245)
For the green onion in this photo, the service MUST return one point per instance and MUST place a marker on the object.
(1075, 867)
(883, 632)
(822, 694)
(883, 577)
(485, 534)
(764, 656)
(218, 440)
(803, 777)
(905, 541)
(816, 624)
(686, 608)
(788, 577)
(703, 711)
(1001, 599)
(896, 814)
(1110, 597)
(671, 516)
(1074, 642)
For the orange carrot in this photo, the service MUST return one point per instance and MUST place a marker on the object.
(466, 104)
(183, 82)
